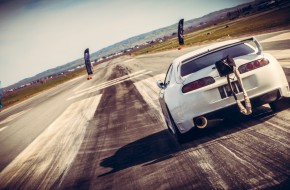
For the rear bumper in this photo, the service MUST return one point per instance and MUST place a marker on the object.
(255, 102)
(187, 124)
(265, 86)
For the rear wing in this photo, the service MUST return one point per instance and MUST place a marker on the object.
(251, 39)
(180, 79)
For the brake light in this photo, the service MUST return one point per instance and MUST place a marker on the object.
(197, 84)
(253, 65)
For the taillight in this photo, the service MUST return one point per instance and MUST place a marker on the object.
(197, 84)
(253, 65)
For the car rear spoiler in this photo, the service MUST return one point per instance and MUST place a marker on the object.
(251, 39)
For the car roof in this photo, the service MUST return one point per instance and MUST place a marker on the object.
(203, 50)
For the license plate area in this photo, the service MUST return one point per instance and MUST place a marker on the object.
(225, 90)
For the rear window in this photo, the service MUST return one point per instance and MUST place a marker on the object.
(197, 64)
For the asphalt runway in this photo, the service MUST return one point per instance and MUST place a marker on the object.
(109, 133)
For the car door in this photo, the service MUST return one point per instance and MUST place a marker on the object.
(163, 91)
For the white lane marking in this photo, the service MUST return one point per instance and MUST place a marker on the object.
(284, 36)
(3, 128)
(150, 92)
(75, 79)
(280, 54)
(48, 158)
(129, 60)
(107, 84)
(111, 81)
(78, 87)
(12, 117)
(277, 126)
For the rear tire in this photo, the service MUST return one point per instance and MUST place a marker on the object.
(280, 104)
(180, 137)
(274, 106)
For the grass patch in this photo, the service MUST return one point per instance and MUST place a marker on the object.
(246, 25)
(12, 98)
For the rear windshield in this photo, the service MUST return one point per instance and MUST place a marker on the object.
(210, 59)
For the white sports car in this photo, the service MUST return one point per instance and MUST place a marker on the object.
(196, 87)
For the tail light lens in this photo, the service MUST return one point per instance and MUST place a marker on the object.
(197, 84)
(253, 65)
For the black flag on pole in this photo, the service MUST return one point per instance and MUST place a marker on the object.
(180, 34)
(88, 62)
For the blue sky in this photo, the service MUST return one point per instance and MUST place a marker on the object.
(36, 35)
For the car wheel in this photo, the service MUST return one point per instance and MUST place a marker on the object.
(181, 138)
(274, 106)
(168, 127)
(280, 104)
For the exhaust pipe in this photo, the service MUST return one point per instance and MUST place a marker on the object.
(200, 122)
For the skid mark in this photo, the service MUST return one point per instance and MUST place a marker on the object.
(111, 81)
(203, 160)
(252, 169)
(49, 156)
(108, 84)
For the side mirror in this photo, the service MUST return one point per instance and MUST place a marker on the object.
(160, 84)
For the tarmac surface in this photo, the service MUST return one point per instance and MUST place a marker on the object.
(109, 133)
